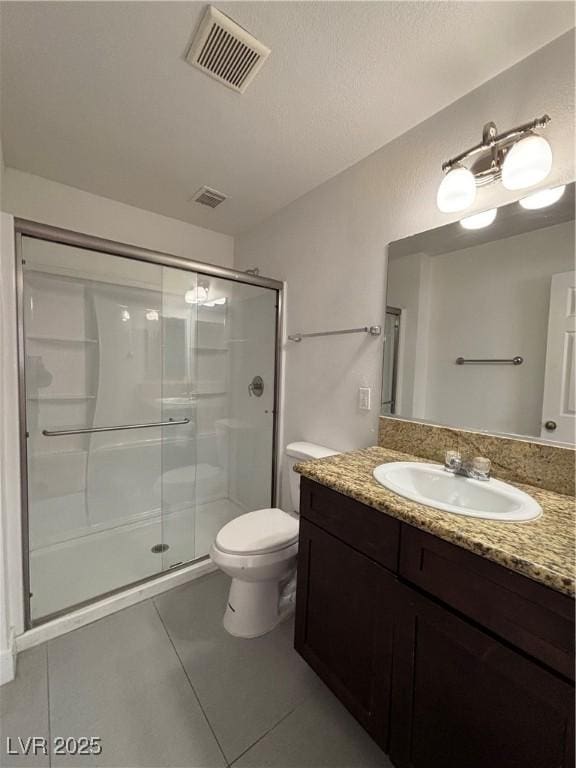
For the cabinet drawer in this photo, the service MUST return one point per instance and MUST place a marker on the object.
(535, 618)
(365, 529)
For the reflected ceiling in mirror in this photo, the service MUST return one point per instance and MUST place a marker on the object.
(480, 327)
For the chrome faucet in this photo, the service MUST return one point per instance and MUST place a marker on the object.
(477, 468)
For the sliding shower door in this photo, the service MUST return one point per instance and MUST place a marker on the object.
(218, 337)
(145, 431)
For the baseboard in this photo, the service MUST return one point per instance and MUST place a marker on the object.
(109, 605)
(7, 665)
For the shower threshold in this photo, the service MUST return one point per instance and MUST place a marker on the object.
(68, 621)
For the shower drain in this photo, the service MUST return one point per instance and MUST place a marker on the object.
(158, 548)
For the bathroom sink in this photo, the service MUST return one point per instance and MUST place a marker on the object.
(433, 486)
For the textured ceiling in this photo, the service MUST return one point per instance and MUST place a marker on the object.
(97, 95)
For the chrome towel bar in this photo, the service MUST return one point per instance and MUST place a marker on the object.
(373, 330)
(494, 361)
(88, 430)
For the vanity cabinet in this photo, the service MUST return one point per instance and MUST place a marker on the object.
(447, 659)
(345, 625)
(463, 698)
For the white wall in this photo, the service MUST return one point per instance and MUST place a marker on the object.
(10, 574)
(32, 197)
(10, 551)
(330, 245)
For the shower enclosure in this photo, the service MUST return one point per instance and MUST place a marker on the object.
(145, 425)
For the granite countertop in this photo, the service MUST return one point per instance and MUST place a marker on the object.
(541, 549)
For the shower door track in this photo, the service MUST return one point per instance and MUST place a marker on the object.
(26, 228)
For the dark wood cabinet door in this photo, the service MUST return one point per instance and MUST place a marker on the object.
(345, 607)
(463, 698)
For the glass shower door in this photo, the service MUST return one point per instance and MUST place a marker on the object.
(98, 355)
(150, 396)
(178, 403)
(228, 468)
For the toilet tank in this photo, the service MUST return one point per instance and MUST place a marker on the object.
(297, 452)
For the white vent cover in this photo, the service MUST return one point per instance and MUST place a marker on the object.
(225, 51)
(209, 197)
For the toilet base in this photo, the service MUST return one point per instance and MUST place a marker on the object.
(253, 608)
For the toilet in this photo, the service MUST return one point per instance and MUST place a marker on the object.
(258, 551)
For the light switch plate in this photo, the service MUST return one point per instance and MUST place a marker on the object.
(364, 398)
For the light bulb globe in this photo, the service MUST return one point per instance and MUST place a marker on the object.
(457, 191)
(542, 199)
(528, 162)
(479, 220)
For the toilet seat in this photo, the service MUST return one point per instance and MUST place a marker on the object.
(257, 533)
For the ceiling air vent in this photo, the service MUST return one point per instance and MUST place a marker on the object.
(209, 197)
(225, 51)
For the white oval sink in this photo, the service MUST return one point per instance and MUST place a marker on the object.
(433, 486)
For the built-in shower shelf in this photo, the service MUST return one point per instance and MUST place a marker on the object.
(61, 398)
(176, 401)
(61, 339)
(212, 349)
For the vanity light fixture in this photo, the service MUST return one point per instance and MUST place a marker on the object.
(543, 198)
(518, 158)
(479, 220)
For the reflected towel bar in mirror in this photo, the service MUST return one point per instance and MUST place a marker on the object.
(495, 361)
(373, 330)
(88, 430)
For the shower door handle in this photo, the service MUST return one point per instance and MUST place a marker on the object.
(89, 430)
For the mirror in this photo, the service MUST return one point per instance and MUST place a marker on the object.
(480, 324)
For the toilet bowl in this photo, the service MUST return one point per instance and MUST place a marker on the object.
(258, 550)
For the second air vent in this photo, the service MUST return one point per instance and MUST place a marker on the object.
(224, 50)
(209, 197)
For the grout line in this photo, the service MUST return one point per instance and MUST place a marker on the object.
(49, 710)
(269, 731)
(226, 761)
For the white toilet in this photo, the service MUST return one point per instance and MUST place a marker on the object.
(258, 550)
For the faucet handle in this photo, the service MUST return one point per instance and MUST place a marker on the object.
(481, 466)
(452, 460)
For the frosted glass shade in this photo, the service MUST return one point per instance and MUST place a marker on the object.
(527, 163)
(479, 220)
(542, 198)
(196, 295)
(457, 191)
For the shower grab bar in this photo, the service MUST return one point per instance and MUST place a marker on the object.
(373, 330)
(87, 430)
(495, 361)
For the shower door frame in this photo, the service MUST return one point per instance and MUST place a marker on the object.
(26, 228)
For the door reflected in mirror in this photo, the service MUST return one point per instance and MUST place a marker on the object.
(481, 324)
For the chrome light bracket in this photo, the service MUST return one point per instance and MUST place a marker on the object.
(489, 154)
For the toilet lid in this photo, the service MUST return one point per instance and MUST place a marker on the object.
(265, 530)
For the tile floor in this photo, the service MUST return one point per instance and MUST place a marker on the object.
(162, 684)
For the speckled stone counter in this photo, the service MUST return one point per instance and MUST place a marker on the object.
(541, 549)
